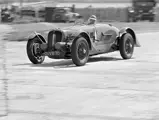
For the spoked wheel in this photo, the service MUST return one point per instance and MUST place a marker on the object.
(80, 51)
(126, 46)
(34, 51)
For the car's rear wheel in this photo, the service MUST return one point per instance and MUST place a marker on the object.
(126, 46)
(80, 51)
(33, 51)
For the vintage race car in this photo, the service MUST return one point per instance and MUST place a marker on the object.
(80, 41)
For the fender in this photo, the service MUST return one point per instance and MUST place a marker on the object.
(80, 33)
(86, 36)
(35, 34)
(131, 31)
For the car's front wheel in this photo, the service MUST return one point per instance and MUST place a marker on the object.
(33, 51)
(80, 51)
(126, 46)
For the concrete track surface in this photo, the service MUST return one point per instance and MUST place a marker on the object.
(107, 88)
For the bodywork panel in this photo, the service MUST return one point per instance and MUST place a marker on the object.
(102, 36)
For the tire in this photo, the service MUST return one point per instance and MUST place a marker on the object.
(126, 52)
(151, 19)
(33, 57)
(80, 51)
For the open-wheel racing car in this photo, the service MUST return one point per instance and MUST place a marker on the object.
(80, 41)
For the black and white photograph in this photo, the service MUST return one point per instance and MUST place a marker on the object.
(79, 59)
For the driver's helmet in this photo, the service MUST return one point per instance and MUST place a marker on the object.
(92, 19)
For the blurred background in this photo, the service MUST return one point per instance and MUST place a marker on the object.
(19, 18)
(18, 11)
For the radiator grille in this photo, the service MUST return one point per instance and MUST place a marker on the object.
(53, 38)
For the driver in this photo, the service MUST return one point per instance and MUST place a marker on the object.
(92, 20)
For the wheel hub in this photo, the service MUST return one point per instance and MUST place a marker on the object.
(128, 47)
(36, 51)
(82, 51)
(36, 48)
